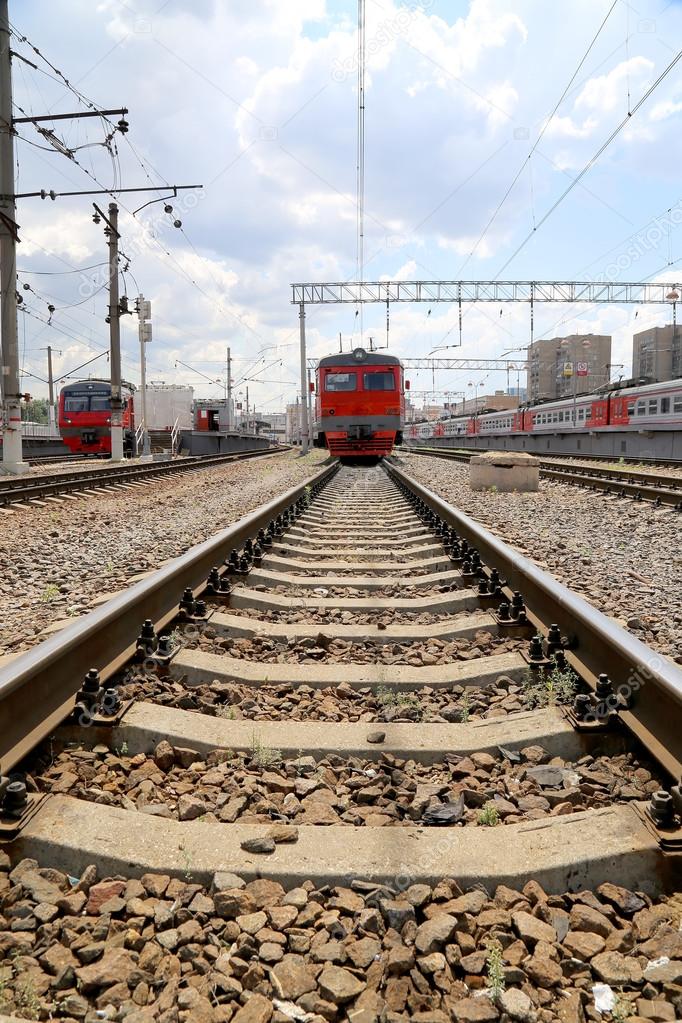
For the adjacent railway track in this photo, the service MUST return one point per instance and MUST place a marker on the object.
(338, 690)
(32, 490)
(659, 489)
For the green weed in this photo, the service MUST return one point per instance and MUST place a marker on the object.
(549, 689)
(489, 816)
(494, 969)
(263, 755)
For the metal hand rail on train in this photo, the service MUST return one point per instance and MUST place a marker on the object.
(26, 488)
(651, 683)
(642, 486)
(37, 688)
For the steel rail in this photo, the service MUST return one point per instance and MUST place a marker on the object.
(663, 490)
(675, 463)
(651, 683)
(38, 688)
(21, 489)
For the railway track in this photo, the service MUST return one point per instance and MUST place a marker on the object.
(659, 489)
(352, 694)
(39, 490)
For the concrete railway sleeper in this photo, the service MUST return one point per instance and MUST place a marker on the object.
(351, 758)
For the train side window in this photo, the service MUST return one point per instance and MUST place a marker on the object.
(379, 382)
(665, 405)
(631, 408)
(76, 404)
(677, 404)
(653, 406)
(641, 408)
(340, 382)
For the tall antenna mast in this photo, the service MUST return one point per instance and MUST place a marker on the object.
(360, 199)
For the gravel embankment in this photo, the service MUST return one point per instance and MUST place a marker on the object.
(169, 949)
(625, 558)
(54, 561)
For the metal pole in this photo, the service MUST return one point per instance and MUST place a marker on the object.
(12, 453)
(146, 446)
(305, 435)
(247, 408)
(228, 390)
(115, 338)
(310, 406)
(50, 385)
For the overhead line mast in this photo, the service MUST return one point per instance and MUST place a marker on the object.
(10, 396)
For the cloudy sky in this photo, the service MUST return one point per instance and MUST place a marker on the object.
(257, 101)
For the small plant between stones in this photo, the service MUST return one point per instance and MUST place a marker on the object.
(547, 689)
(388, 697)
(489, 816)
(263, 755)
(494, 969)
(50, 593)
(464, 709)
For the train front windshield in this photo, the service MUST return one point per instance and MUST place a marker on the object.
(86, 401)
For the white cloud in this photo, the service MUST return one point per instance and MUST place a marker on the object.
(257, 99)
(608, 92)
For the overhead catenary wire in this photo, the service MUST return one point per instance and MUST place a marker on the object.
(590, 163)
(541, 133)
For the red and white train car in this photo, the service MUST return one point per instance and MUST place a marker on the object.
(639, 408)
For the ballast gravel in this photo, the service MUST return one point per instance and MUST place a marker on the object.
(161, 949)
(262, 787)
(624, 557)
(56, 560)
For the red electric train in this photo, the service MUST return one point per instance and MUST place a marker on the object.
(360, 404)
(85, 417)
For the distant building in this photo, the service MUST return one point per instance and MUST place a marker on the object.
(562, 366)
(272, 425)
(518, 392)
(657, 353)
(497, 402)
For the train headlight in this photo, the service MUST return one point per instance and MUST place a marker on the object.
(359, 354)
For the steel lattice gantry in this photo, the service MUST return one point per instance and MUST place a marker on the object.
(567, 292)
(355, 293)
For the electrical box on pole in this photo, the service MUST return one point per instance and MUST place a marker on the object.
(144, 315)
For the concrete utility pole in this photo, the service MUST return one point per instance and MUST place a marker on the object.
(115, 337)
(50, 385)
(12, 453)
(228, 389)
(310, 406)
(144, 327)
(305, 435)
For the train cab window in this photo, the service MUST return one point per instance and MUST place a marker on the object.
(340, 382)
(76, 404)
(379, 382)
(588, 413)
(631, 408)
(653, 406)
(102, 404)
(665, 405)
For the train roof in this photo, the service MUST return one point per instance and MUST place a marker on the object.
(359, 357)
(80, 385)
